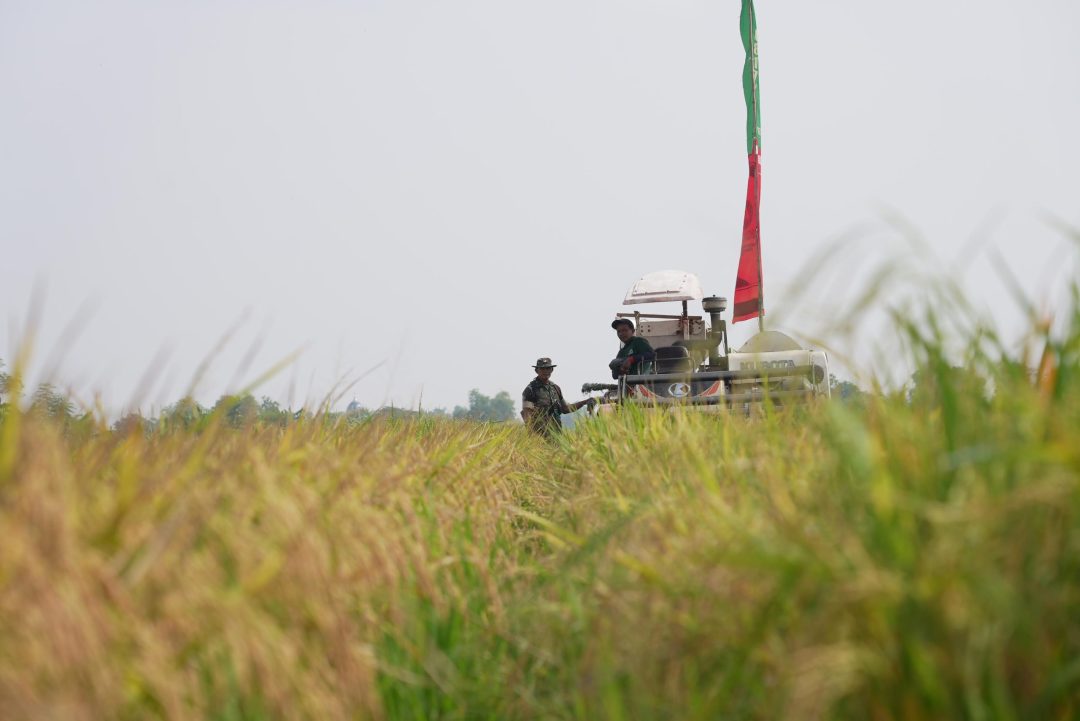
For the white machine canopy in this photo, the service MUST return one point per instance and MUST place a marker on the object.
(664, 285)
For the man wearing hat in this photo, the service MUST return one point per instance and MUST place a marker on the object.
(634, 352)
(542, 401)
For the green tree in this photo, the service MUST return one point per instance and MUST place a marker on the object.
(483, 408)
(52, 404)
(845, 390)
(239, 411)
(133, 422)
(185, 413)
(272, 414)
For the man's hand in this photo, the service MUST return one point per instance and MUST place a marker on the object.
(625, 367)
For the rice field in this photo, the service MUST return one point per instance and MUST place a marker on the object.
(906, 555)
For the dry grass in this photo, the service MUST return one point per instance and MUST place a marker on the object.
(888, 559)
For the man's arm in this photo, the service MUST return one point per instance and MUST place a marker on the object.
(571, 407)
(564, 407)
(528, 405)
(640, 351)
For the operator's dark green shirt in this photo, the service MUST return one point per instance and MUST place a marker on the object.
(640, 349)
(546, 400)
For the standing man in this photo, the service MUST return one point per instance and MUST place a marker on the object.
(542, 401)
(635, 350)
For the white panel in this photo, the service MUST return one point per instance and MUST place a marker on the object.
(664, 285)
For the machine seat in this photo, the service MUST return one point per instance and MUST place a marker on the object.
(673, 359)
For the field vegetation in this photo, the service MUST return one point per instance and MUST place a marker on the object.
(911, 555)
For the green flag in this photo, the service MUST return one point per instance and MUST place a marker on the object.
(749, 286)
(748, 26)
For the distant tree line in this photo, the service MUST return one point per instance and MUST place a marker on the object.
(845, 390)
(245, 411)
(497, 408)
(233, 411)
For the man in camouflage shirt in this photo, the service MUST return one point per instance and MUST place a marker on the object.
(542, 401)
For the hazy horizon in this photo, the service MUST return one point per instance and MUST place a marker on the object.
(432, 195)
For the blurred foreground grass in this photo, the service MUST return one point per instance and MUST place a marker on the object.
(900, 557)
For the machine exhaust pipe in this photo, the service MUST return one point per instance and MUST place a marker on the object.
(715, 305)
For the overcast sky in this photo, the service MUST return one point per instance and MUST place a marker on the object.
(432, 194)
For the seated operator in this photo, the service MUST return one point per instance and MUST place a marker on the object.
(635, 350)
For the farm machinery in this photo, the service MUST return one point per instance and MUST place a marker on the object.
(693, 365)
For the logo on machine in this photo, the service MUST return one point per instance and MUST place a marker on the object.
(678, 390)
(768, 365)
